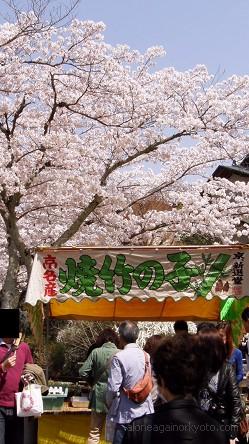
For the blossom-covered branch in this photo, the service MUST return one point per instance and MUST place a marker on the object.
(90, 131)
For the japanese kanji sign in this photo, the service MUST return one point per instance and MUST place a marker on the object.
(139, 272)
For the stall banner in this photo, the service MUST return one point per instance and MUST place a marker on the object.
(140, 272)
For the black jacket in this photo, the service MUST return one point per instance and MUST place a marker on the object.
(177, 422)
(226, 406)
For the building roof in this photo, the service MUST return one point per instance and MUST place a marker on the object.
(227, 171)
(245, 162)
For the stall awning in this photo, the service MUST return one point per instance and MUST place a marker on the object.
(139, 282)
(168, 310)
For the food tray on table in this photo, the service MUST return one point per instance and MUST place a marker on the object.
(54, 401)
(79, 401)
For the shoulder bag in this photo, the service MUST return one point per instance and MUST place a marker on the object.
(141, 390)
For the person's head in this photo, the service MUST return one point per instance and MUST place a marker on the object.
(213, 348)
(181, 326)
(9, 324)
(225, 332)
(152, 344)
(128, 332)
(8, 340)
(245, 319)
(107, 335)
(178, 366)
(205, 326)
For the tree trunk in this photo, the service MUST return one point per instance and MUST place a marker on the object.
(9, 293)
(17, 255)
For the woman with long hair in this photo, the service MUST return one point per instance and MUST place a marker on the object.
(220, 397)
(234, 355)
(151, 346)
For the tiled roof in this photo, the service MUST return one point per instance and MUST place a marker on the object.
(227, 171)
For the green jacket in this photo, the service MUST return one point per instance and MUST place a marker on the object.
(96, 369)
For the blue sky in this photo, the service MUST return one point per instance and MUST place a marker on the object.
(211, 32)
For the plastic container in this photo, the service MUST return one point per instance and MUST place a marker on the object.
(54, 402)
(79, 401)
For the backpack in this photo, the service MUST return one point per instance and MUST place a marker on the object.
(141, 390)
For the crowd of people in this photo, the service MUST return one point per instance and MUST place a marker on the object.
(177, 389)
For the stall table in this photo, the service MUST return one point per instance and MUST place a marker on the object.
(69, 425)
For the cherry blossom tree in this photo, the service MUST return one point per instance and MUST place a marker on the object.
(88, 131)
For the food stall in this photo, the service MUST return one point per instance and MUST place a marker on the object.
(138, 283)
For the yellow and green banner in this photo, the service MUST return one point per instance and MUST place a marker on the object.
(139, 272)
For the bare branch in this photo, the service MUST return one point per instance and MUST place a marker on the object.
(164, 185)
(147, 230)
(75, 226)
(17, 114)
(45, 17)
(54, 107)
(37, 209)
(149, 149)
